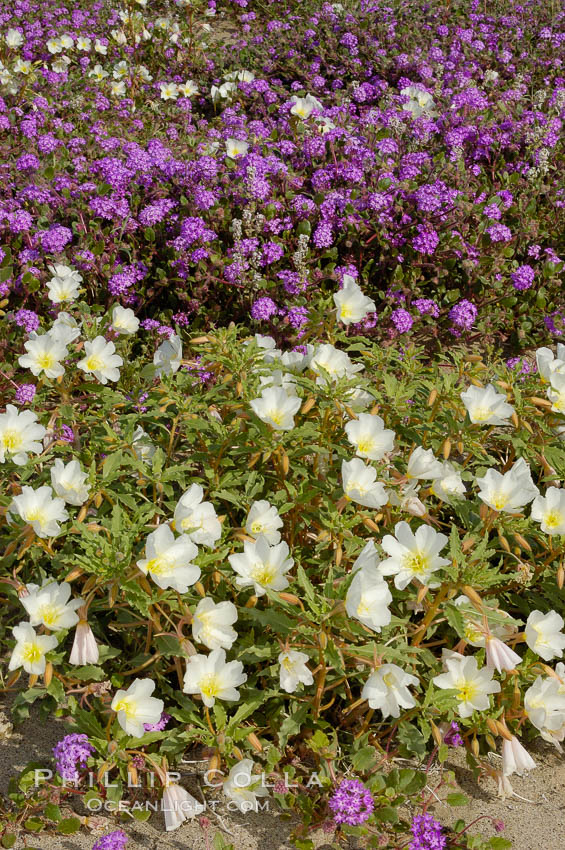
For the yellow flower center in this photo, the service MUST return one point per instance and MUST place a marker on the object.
(388, 679)
(37, 515)
(49, 614)
(159, 566)
(467, 691)
(256, 527)
(127, 707)
(346, 312)
(12, 440)
(499, 501)
(93, 362)
(210, 686)
(481, 414)
(45, 360)
(287, 664)
(276, 416)
(263, 574)
(32, 652)
(362, 609)
(366, 445)
(553, 519)
(417, 563)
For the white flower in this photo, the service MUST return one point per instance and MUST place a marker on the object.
(499, 655)
(544, 705)
(64, 329)
(413, 555)
(213, 678)
(368, 597)
(407, 499)
(549, 510)
(223, 92)
(420, 102)
(556, 392)
(83, 43)
(49, 605)
(169, 91)
(473, 686)
(178, 805)
(547, 363)
(333, 361)
(19, 433)
(22, 66)
(304, 106)
(235, 148)
(14, 38)
(196, 518)
(189, 88)
(169, 561)
(387, 690)
(120, 70)
(544, 635)
(240, 76)
(142, 446)
(293, 670)
(30, 649)
(136, 706)
(85, 649)
(515, 758)
(69, 481)
(276, 408)
(267, 345)
(168, 357)
(449, 486)
(352, 306)
(44, 354)
(486, 406)
(212, 623)
(124, 320)
(64, 285)
(360, 484)
(280, 379)
(118, 89)
(40, 510)
(422, 464)
(100, 47)
(510, 491)
(264, 519)
(369, 436)
(100, 360)
(98, 73)
(54, 45)
(262, 566)
(242, 788)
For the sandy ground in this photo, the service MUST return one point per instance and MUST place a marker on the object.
(530, 825)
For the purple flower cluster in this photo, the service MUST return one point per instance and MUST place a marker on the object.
(160, 725)
(351, 803)
(70, 753)
(112, 841)
(428, 834)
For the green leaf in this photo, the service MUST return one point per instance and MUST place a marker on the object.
(89, 673)
(68, 826)
(292, 725)
(53, 812)
(457, 799)
(8, 840)
(34, 824)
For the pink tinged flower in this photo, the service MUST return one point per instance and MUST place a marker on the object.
(178, 805)
(500, 656)
(515, 759)
(85, 648)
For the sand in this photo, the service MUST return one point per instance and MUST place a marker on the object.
(530, 825)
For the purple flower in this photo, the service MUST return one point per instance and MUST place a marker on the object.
(25, 394)
(463, 314)
(426, 306)
(27, 319)
(427, 834)
(71, 751)
(113, 841)
(66, 434)
(499, 233)
(452, 737)
(160, 725)
(402, 320)
(426, 241)
(263, 309)
(351, 802)
(523, 277)
(55, 239)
